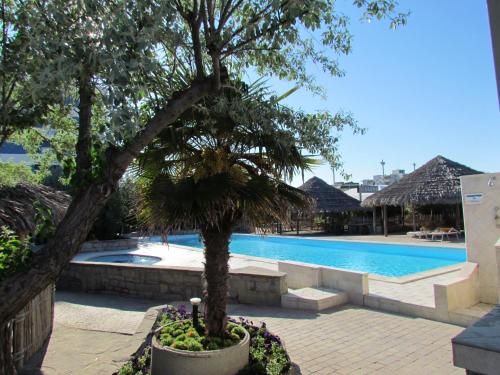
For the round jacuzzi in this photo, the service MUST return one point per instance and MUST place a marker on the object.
(125, 258)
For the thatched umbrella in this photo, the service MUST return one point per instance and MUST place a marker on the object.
(329, 199)
(18, 206)
(436, 182)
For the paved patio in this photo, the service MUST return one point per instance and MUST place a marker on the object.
(349, 340)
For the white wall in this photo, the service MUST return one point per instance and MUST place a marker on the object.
(481, 204)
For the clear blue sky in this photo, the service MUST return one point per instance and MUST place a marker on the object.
(424, 89)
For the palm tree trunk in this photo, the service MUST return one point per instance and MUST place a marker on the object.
(216, 240)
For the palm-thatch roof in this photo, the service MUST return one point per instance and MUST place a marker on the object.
(328, 198)
(18, 206)
(436, 182)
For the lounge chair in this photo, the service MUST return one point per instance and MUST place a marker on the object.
(445, 232)
(423, 232)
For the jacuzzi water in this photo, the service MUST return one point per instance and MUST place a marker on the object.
(376, 258)
(125, 258)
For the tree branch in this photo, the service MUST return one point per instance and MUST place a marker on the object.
(84, 144)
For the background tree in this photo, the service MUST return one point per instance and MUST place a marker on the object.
(226, 160)
(128, 60)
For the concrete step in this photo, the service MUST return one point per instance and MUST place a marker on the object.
(467, 317)
(315, 299)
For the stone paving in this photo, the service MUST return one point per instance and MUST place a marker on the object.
(354, 340)
(349, 340)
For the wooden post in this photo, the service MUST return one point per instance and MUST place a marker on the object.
(413, 217)
(374, 220)
(457, 217)
(384, 208)
(402, 218)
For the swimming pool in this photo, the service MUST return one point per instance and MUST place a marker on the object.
(126, 258)
(376, 258)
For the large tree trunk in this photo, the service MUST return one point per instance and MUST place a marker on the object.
(216, 240)
(47, 264)
(6, 360)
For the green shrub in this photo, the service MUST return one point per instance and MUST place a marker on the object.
(127, 369)
(15, 254)
(13, 173)
(238, 331)
(183, 336)
(44, 226)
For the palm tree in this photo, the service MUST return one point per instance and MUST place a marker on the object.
(225, 160)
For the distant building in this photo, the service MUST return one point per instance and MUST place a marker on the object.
(14, 153)
(389, 179)
(370, 186)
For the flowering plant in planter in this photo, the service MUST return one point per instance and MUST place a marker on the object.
(267, 353)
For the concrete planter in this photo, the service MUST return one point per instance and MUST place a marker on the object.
(227, 361)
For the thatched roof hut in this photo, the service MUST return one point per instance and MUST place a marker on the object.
(18, 206)
(329, 199)
(436, 182)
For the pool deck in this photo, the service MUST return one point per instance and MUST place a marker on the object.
(346, 340)
(420, 292)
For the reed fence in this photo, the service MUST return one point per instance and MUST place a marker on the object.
(32, 326)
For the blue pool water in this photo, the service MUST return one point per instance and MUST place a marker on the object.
(381, 259)
(125, 258)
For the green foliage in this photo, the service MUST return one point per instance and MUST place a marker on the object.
(139, 53)
(13, 173)
(119, 215)
(44, 225)
(126, 369)
(278, 360)
(232, 154)
(15, 254)
(182, 335)
(51, 143)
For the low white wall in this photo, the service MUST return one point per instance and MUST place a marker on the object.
(301, 275)
(460, 293)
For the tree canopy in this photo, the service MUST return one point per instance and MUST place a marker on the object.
(124, 70)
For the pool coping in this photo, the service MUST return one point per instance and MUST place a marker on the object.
(372, 276)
